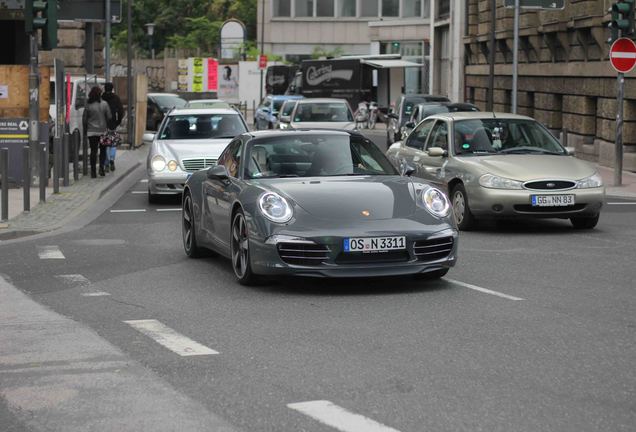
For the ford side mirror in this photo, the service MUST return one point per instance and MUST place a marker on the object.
(409, 125)
(437, 152)
(571, 151)
(217, 172)
(406, 170)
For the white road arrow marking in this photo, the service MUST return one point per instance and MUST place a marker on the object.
(50, 252)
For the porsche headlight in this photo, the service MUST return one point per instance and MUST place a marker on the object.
(275, 208)
(158, 163)
(434, 201)
(592, 181)
(173, 165)
(496, 182)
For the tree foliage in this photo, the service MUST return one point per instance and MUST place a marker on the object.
(189, 24)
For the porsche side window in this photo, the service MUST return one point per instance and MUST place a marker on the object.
(232, 158)
(439, 136)
(417, 138)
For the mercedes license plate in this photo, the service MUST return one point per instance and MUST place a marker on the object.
(552, 200)
(374, 244)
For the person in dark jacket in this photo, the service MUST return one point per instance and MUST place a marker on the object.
(117, 113)
(95, 122)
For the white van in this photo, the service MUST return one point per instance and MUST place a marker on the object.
(80, 87)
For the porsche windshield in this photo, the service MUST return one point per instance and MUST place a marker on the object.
(202, 126)
(315, 156)
(504, 136)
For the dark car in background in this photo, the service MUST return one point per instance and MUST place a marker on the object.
(158, 105)
(402, 111)
(424, 110)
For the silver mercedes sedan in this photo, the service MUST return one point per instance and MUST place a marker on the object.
(497, 165)
(188, 140)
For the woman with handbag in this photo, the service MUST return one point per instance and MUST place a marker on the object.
(95, 120)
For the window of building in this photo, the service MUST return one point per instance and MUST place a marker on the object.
(412, 9)
(282, 8)
(443, 9)
(390, 8)
(325, 8)
(369, 8)
(304, 8)
(347, 8)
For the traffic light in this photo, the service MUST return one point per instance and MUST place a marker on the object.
(622, 19)
(42, 15)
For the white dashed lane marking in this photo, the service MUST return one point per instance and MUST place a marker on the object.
(139, 192)
(169, 209)
(483, 290)
(95, 294)
(621, 203)
(339, 418)
(169, 338)
(74, 279)
(143, 181)
(129, 211)
(50, 252)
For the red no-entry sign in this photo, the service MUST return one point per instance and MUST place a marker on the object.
(623, 55)
(262, 61)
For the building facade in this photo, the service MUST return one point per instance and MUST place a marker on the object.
(565, 78)
(428, 32)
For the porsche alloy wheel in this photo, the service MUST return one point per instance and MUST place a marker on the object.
(241, 250)
(189, 236)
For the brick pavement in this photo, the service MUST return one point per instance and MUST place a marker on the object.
(70, 202)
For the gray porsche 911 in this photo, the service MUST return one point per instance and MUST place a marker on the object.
(316, 203)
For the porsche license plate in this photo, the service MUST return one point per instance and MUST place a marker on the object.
(374, 244)
(552, 200)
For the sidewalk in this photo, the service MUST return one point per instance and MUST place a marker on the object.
(71, 200)
(627, 190)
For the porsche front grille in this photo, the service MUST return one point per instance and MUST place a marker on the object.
(192, 165)
(306, 254)
(433, 249)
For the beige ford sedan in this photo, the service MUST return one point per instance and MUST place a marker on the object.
(496, 165)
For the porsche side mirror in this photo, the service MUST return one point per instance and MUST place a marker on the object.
(217, 172)
(437, 152)
(406, 170)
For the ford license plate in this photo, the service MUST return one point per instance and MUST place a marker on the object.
(374, 244)
(552, 200)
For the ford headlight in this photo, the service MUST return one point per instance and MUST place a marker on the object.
(434, 201)
(275, 208)
(158, 163)
(496, 182)
(592, 181)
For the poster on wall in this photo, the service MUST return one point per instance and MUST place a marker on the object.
(213, 75)
(228, 84)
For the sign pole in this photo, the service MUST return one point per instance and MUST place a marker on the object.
(262, 44)
(618, 155)
(34, 103)
(515, 57)
(107, 42)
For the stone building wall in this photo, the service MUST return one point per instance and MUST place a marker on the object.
(71, 48)
(565, 79)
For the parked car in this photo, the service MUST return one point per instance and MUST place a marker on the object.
(325, 113)
(208, 103)
(497, 165)
(158, 105)
(284, 115)
(423, 110)
(316, 203)
(188, 140)
(401, 113)
(266, 114)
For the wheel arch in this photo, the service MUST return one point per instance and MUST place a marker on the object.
(454, 182)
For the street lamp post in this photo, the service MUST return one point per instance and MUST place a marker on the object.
(150, 29)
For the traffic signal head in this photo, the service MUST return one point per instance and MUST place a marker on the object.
(622, 19)
(42, 15)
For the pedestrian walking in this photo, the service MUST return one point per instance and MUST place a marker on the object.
(95, 122)
(117, 115)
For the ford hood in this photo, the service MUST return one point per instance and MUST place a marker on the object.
(530, 167)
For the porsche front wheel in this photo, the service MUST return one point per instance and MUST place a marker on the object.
(240, 250)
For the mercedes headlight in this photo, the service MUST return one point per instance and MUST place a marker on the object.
(158, 163)
(496, 182)
(434, 201)
(275, 208)
(592, 181)
(173, 165)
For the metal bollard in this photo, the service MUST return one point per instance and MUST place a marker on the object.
(57, 149)
(84, 155)
(26, 177)
(66, 141)
(4, 172)
(44, 172)
(75, 140)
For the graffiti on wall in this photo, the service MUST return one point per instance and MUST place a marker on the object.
(156, 74)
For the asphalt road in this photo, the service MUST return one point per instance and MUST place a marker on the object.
(533, 330)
